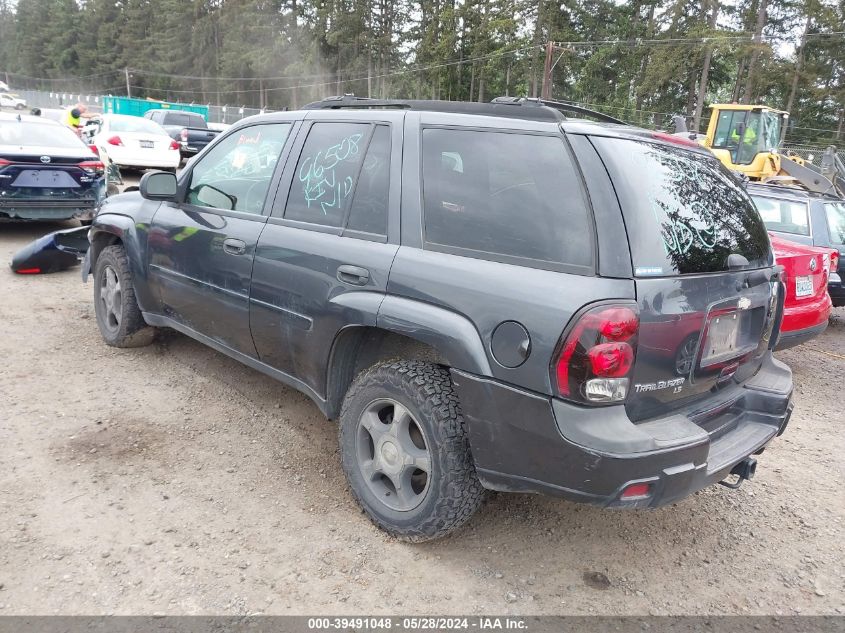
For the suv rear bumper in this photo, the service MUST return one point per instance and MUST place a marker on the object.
(525, 442)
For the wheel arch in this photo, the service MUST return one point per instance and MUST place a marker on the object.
(112, 228)
(408, 330)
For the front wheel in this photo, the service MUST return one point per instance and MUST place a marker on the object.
(405, 451)
(118, 315)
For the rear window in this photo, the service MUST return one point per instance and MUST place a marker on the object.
(504, 196)
(38, 134)
(185, 120)
(135, 124)
(683, 212)
(784, 216)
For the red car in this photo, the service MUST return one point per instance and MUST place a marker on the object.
(807, 304)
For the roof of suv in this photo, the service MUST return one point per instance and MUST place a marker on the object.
(520, 108)
(507, 107)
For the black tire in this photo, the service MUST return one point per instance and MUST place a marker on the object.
(452, 491)
(120, 321)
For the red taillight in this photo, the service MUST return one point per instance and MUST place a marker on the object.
(184, 135)
(4, 162)
(611, 360)
(94, 149)
(671, 138)
(92, 166)
(174, 145)
(28, 271)
(635, 491)
(598, 354)
(115, 140)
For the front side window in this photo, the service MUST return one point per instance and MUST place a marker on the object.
(784, 216)
(835, 213)
(235, 174)
(504, 195)
(740, 132)
(683, 211)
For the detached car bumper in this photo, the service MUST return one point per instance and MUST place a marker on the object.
(525, 442)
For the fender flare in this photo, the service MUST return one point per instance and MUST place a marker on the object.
(451, 334)
(122, 227)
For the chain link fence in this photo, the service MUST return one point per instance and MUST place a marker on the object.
(813, 153)
(223, 114)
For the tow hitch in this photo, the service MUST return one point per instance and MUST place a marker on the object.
(743, 470)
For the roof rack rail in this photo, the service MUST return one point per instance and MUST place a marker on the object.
(560, 106)
(500, 106)
(351, 101)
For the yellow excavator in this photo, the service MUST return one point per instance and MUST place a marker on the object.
(747, 139)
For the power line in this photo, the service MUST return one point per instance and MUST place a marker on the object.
(64, 79)
(343, 80)
(634, 42)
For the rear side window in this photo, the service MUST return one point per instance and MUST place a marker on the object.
(504, 196)
(326, 172)
(683, 212)
(784, 216)
(368, 212)
(835, 213)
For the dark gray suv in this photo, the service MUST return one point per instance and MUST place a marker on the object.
(486, 296)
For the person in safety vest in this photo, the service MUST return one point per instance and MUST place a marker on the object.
(748, 137)
(73, 117)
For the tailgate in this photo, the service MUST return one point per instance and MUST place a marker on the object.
(697, 333)
(707, 289)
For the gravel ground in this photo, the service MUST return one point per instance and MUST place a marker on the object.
(172, 479)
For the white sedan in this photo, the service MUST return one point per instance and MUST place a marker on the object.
(131, 141)
(9, 100)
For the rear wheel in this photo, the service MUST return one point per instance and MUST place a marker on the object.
(118, 315)
(405, 451)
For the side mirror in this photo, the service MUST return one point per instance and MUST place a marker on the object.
(158, 185)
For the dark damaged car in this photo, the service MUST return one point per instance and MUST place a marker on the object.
(46, 171)
(485, 296)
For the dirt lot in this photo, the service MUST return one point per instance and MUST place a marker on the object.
(171, 479)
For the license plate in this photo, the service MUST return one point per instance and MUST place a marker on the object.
(45, 178)
(147, 144)
(803, 286)
(722, 339)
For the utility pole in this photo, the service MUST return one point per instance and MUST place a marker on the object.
(546, 91)
(549, 67)
(128, 87)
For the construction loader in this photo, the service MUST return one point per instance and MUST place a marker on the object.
(747, 139)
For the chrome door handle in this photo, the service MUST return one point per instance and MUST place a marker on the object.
(354, 275)
(234, 247)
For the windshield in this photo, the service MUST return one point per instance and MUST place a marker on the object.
(26, 133)
(135, 124)
(784, 216)
(835, 212)
(684, 213)
(771, 131)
